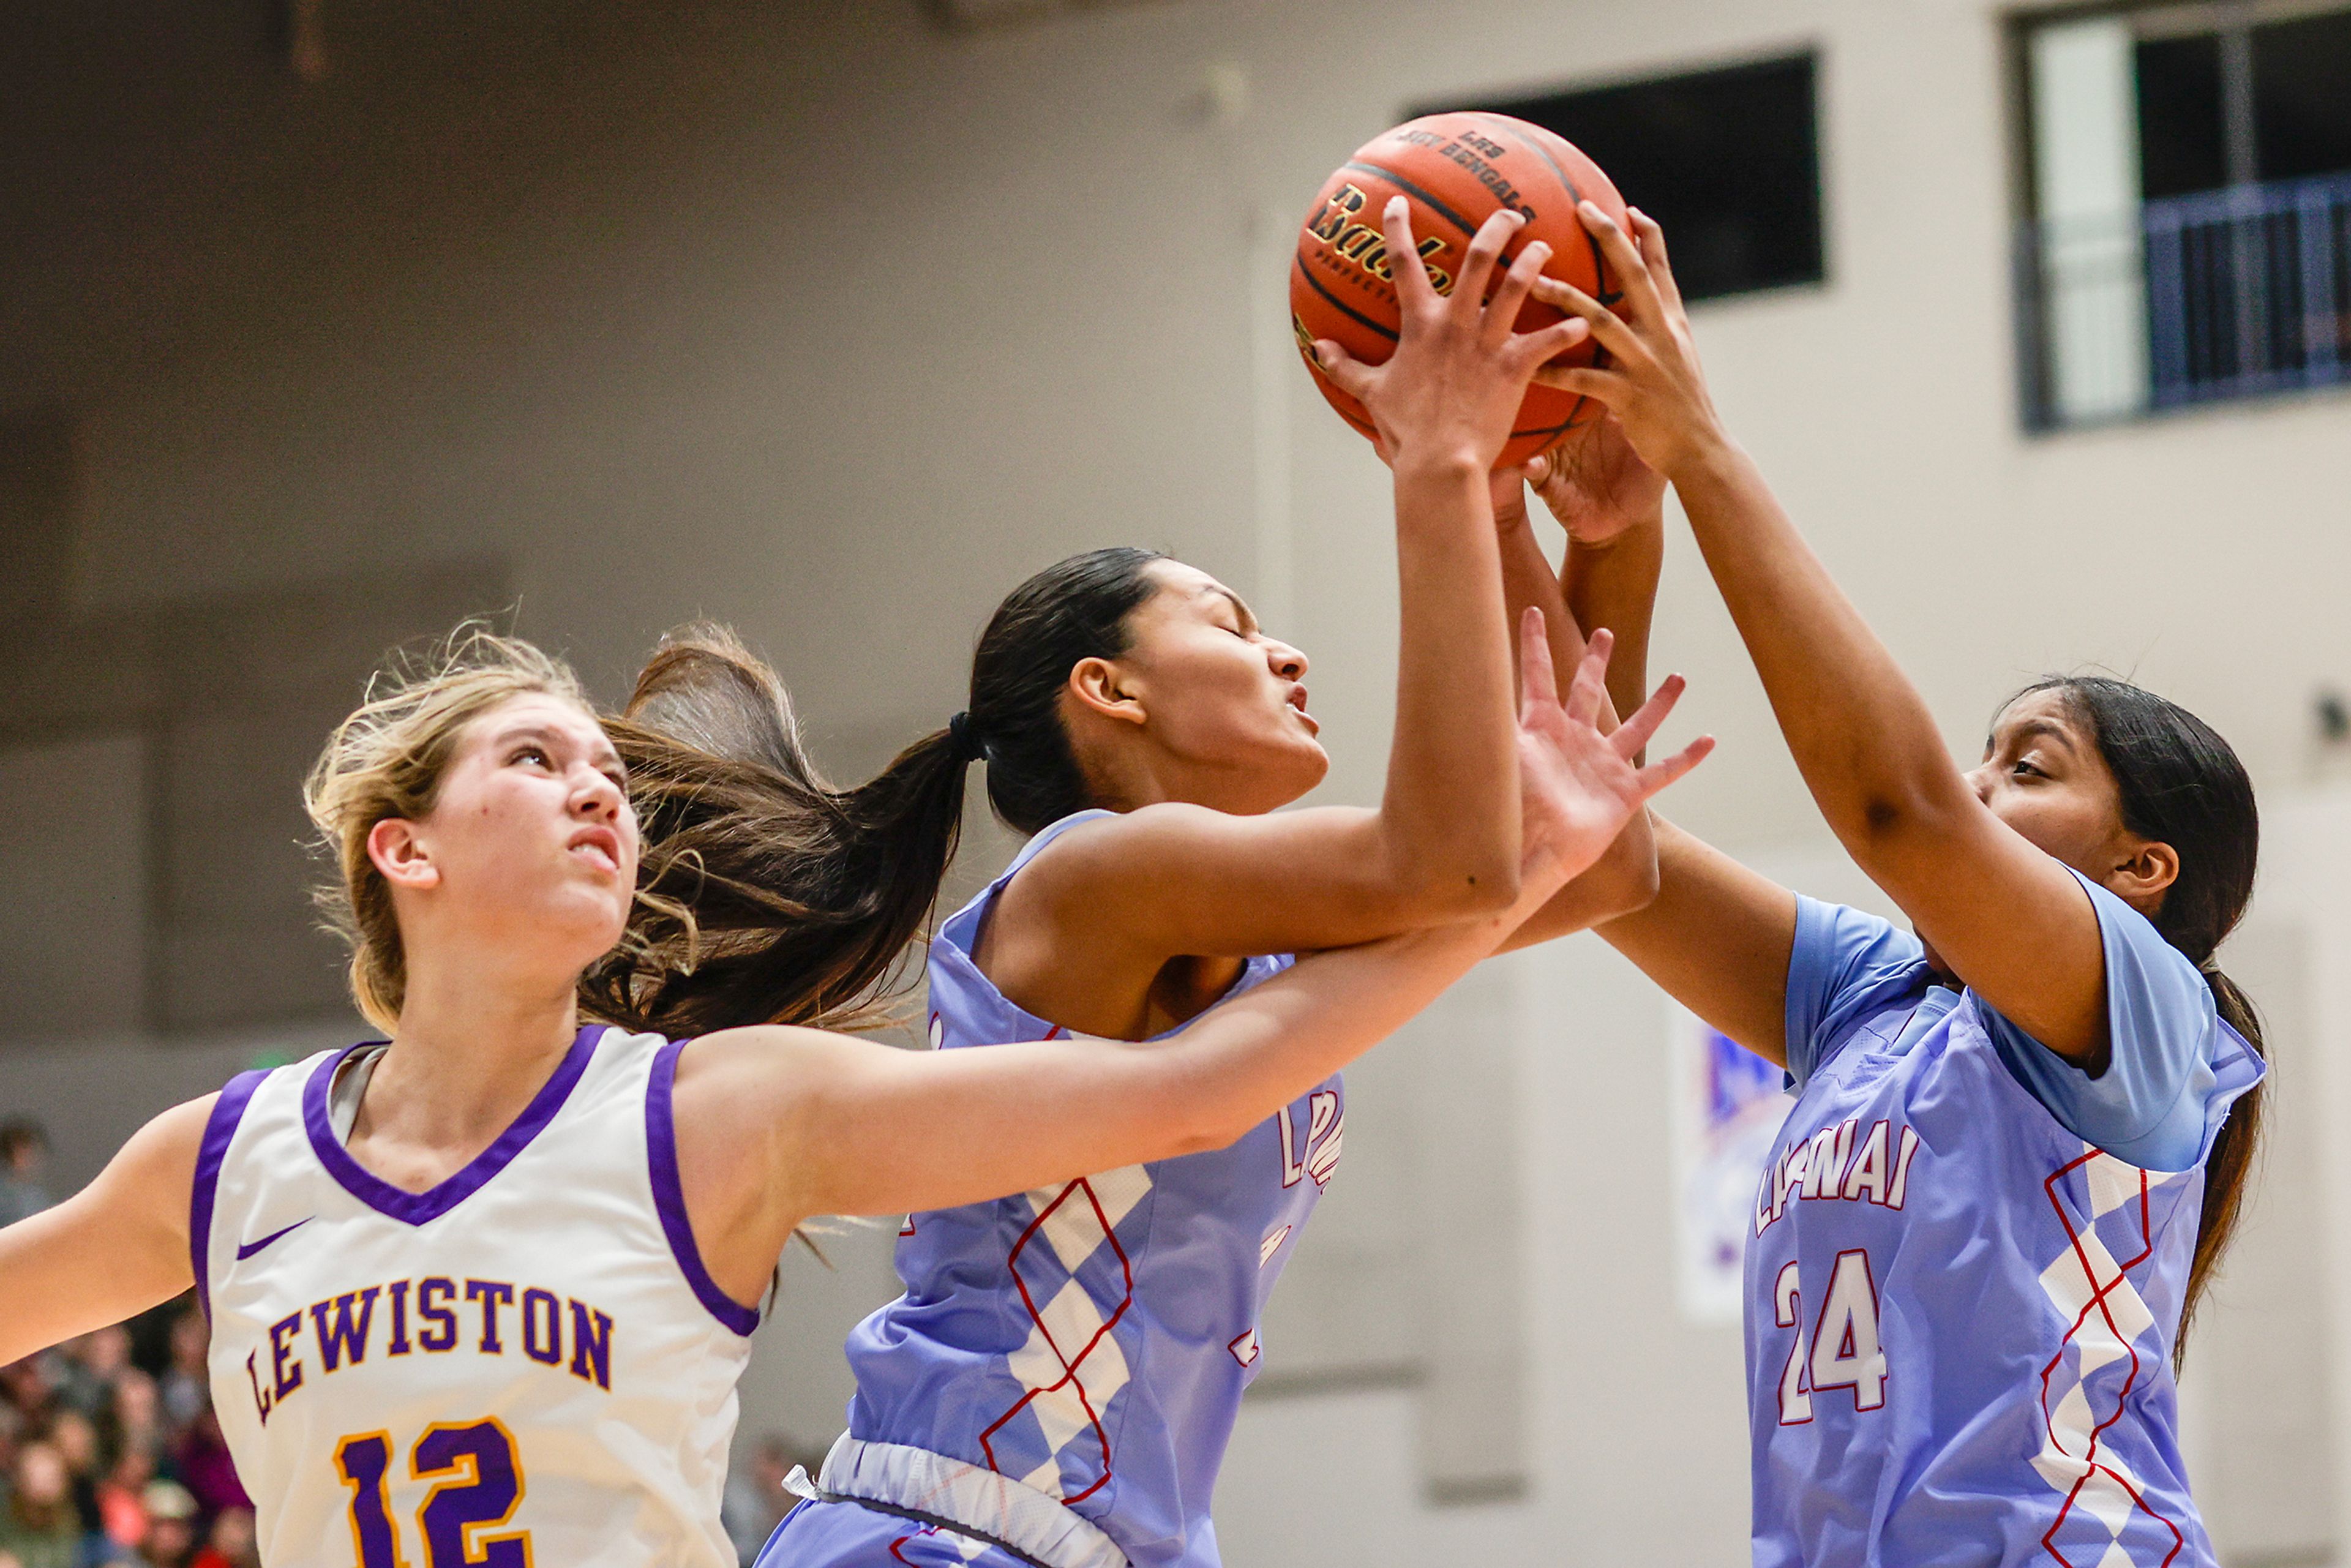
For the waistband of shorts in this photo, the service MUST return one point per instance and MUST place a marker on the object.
(995, 1507)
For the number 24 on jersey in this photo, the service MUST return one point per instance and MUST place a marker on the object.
(1842, 1349)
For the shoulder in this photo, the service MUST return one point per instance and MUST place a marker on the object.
(1845, 966)
(2144, 970)
(762, 1073)
(152, 1180)
(171, 1143)
(1094, 842)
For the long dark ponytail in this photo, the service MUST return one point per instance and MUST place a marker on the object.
(770, 895)
(2182, 785)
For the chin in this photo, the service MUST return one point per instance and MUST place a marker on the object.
(1294, 774)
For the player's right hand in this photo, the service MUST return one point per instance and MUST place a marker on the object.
(1450, 392)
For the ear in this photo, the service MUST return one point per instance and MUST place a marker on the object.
(2140, 880)
(1100, 687)
(400, 854)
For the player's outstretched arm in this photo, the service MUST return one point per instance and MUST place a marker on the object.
(777, 1124)
(1443, 845)
(115, 1248)
(2010, 920)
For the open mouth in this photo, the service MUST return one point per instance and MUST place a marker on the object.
(599, 847)
(1296, 700)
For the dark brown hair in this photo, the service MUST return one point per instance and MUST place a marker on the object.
(2182, 785)
(778, 898)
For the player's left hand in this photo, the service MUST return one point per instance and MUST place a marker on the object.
(1653, 384)
(1578, 787)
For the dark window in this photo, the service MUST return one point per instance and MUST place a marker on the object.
(2183, 146)
(2301, 97)
(1727, 160)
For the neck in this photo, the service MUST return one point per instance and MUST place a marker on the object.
(471, 1049)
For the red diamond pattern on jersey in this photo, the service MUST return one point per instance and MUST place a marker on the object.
(1071, 1368)
(2105, 1502)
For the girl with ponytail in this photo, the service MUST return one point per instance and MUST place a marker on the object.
(2020, 1134)
(1060, 1379)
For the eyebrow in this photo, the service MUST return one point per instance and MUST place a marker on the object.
(554, 739)
(1247, 619)
(2042, 727)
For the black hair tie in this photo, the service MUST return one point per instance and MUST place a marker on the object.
(964, 736)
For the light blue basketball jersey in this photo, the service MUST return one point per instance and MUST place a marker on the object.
(1064, 1369)
(1960, 1313)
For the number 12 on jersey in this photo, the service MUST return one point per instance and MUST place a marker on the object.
(1843, 1350)
(478, 1486)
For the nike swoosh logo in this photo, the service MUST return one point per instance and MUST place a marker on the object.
(250, 1247)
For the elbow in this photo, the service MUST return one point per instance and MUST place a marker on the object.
(1888, 817)
(1207, 1135)
(1631, 890)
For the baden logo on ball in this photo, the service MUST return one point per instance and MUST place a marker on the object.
(1456, 170)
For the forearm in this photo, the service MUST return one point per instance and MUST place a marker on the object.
(1620, 883)
(1859, 732)
(1716, 938)
(1614, 585)
(873, 1131)
(1448, 818)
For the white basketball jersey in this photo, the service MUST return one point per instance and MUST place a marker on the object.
(525, 1365)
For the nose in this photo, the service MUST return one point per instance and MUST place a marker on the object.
(595, 797)
(1980, 780)
(1287, 662)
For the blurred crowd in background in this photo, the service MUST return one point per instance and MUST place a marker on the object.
(110, 1454)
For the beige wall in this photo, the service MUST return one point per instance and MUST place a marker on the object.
(810, 318)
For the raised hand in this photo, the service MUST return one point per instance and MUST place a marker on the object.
(1653, 384)
(1577, 787)
(1597, 484)
(1452, 389)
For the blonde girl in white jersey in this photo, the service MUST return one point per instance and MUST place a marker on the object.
(481, 1294)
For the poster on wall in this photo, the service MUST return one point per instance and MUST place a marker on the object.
(1727, 1107)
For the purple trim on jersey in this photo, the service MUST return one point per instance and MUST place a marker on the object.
(420, 1207)
(219, 1128)
(669, 1195)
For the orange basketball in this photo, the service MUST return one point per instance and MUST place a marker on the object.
(1455, 169)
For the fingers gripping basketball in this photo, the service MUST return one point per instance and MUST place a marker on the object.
(1455, 169)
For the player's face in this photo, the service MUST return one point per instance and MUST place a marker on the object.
(532, 832)
(1227, 701)
(2042, 775)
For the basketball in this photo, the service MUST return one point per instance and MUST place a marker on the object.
(1455, 169)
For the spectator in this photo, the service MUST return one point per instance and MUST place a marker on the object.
(76, 1441)
(202, 1461)
(123, 1500)
(137, 1416)
(233, 1543)
(186, 1383)
(24, 1150)
(171, 1538)
(88, 1368)
(39, 1524)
